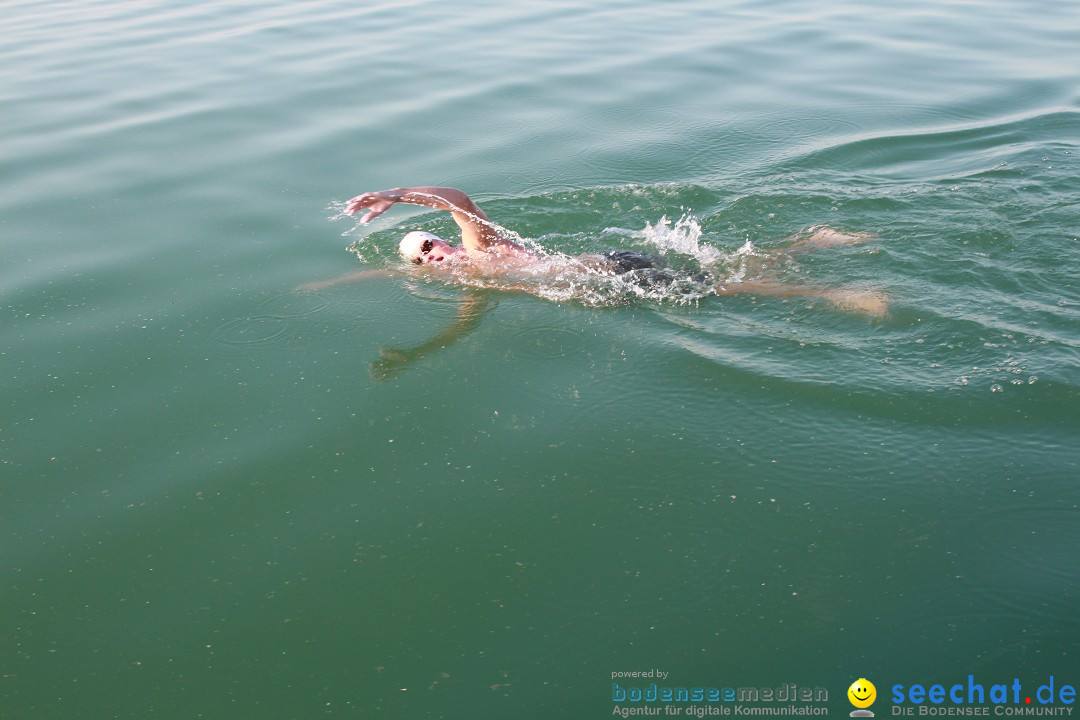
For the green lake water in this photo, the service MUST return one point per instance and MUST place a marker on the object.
(408, 497)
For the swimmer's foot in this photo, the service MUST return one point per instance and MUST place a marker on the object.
(866, 302)
(823, 236)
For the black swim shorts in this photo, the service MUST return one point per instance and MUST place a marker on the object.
(627, 260)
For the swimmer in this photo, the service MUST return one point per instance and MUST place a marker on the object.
(487, 250)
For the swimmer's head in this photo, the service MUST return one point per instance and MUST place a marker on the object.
(420, 247)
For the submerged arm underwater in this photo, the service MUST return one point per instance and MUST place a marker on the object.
(470, 312)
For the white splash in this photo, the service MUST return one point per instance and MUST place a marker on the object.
(684, 237)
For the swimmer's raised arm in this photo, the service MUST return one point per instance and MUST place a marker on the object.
(477, 232)
(440, 198)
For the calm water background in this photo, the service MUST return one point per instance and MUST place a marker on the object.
(220, 499)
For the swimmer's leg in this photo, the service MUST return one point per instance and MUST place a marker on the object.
(818, 237)
(867, 302)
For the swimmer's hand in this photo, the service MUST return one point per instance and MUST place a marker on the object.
(351, 277)
(376, 202)
(390, 364)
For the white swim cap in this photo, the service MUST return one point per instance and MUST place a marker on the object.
(410, 246)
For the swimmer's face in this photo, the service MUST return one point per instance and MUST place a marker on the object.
(425, 249)
(862, 693)
(433, 251)
(429, 253)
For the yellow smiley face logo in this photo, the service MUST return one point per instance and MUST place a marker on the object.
(862, 693)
